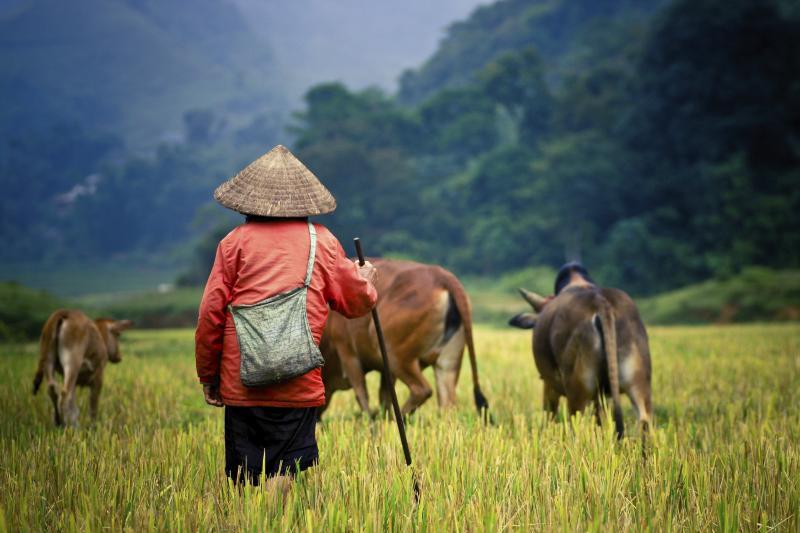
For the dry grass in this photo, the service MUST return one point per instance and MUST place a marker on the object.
(724, 455)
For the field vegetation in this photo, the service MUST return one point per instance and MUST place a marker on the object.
(723, 457)
(758, 294)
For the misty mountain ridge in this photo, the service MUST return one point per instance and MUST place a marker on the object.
(134, 67)
(554, 28)
(131, 67)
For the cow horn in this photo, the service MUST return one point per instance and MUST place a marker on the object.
(536, 301)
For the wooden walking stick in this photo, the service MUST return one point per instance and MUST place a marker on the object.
(388, 381)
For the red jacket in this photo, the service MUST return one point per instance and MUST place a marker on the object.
(260, 259)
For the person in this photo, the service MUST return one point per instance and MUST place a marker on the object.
(276, 255)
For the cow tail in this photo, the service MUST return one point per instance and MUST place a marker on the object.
(48, 347)
(608, 337)
(461, 301)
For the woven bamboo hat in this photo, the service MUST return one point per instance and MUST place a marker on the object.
(276, 184)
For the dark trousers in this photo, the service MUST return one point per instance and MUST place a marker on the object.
(270, 440)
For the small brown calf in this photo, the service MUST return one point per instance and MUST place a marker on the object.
(77, 347)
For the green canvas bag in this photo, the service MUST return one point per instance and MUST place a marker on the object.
(275, 340)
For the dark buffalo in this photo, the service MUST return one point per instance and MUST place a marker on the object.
(589, 342)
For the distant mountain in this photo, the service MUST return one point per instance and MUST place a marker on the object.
(358, 42)
(552, 27)
(134, 67)
(130, 67)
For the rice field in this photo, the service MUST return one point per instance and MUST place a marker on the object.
(724, 455)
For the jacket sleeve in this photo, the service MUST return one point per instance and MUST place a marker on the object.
(346, 291)
(211, 320)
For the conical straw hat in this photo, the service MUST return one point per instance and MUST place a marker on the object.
(276, 184)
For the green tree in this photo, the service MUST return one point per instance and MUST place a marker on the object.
(459, 123)
(517, 82)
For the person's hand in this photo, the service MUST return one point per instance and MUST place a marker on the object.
(211, 392)
(367, 271)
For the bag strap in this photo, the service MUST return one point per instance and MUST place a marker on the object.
(311, 253)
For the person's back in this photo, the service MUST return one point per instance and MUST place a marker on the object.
(265, 257)
(257, 260)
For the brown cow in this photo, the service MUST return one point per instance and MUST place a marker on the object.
(426, 319)
(78, 348)
(589, 341)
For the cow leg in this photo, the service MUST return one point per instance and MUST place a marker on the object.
(448, 368)
(550, 399)
(598, 409)
(54, 391)
(411, 375)
(577, 398)
(446, 380)
(67, 406)
(94, 396)
(47, 367)
(66, 401)
(385, 394)
(639, 395)
(355, 374)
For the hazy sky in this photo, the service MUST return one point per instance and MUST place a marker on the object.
(360, 42)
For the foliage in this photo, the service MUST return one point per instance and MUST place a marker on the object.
(509, 26)
(757, 294)
(620, 145)
(24, 311)
(495, 300)
(153, 309)
(77, 279)
(48, 171)
(204, 254)
(517, 82)
(713, 136)
(723, 454)
(81, 201)
(95, 97)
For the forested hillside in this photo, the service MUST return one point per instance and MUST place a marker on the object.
(655, 141)
(557, 29)
(118, 118)
(78, 195)
(659, 151)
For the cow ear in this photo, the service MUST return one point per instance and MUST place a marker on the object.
(121, 325)
(524, 321)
